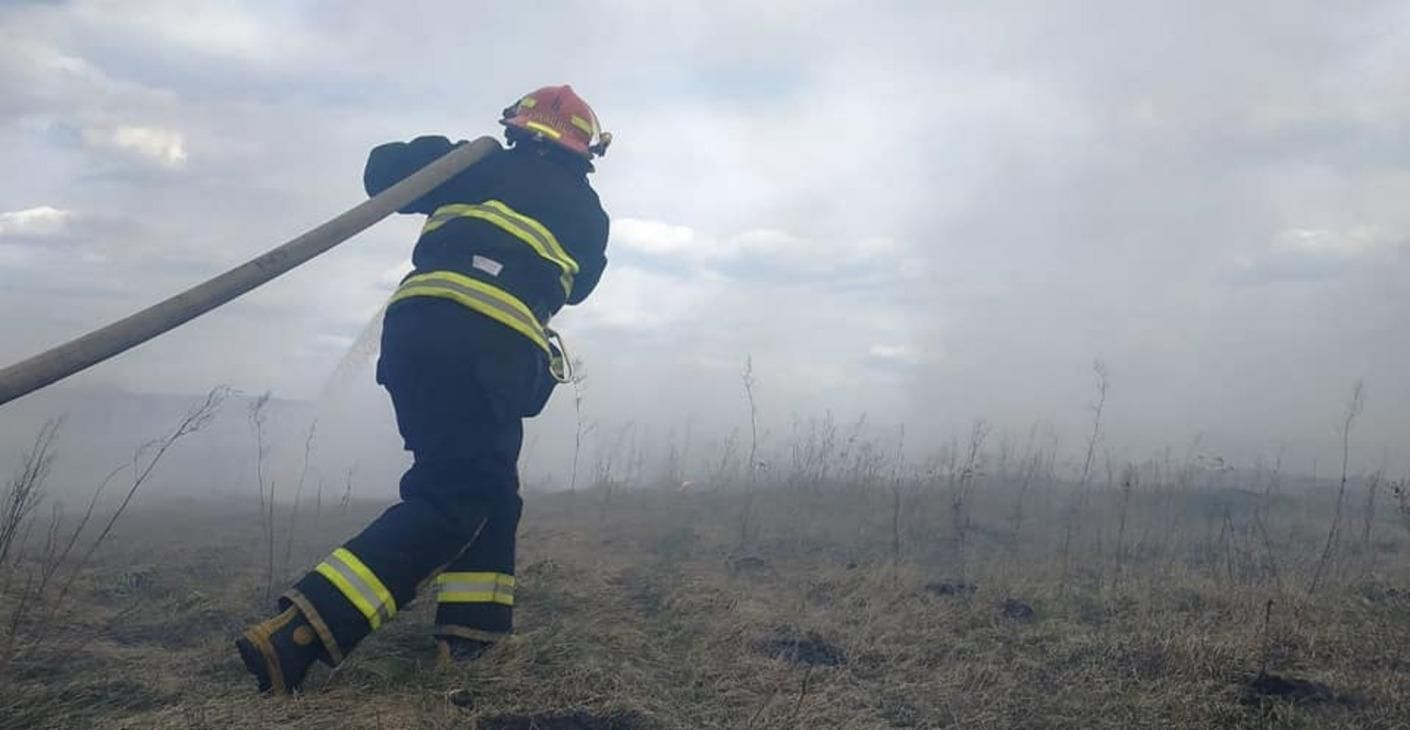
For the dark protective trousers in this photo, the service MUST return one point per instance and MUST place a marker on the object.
(460, 384)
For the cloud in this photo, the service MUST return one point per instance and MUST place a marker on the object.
(1311, 255)
(762, 253)
(256, 35)
(634, 299)
(894, 353)
(655, 238)
(661, 239)
(163, 147)
(44, 220)
(1353, 241)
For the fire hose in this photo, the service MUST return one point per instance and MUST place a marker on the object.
(101, 344)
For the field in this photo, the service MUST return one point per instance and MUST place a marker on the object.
(941, 596)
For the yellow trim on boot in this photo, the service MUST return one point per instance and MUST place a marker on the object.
(258, 636)
(315, 619)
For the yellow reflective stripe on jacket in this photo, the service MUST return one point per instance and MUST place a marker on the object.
(522, 227)
(488, 300)
(360, 586)
(475, 588)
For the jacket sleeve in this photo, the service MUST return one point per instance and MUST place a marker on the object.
(592, 256)
(393, 162)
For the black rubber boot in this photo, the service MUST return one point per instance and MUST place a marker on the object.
(280, 651)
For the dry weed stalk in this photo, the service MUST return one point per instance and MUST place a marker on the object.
(1033, 462)
(25, 490)
(897, 484)
(747, 514)
(195, 419)
(1129, 477)
(35, 597)
(1368, 526)
(607, 468)
(1079, 500)
(258, 418)
(1354, 407)
(580, 428)
(961, 520)
(298, 494)
(1401, 490)
(1260, 522)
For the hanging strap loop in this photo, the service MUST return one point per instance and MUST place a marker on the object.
(560, 365)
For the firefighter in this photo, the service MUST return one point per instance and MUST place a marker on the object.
(466, 355)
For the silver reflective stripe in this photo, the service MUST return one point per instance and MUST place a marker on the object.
(353, 579)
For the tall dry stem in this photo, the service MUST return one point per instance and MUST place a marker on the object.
(1353, 409)
(897, 484)
(1401, 491)
(1079, 500)
(1260, 522)
(747, 514)
(1033, 461)
(298, 495)
(258, 418)
(1129, 477)
(580, 429)
(1369, 518)
(960, 518)
(25, 490)
(144, 462)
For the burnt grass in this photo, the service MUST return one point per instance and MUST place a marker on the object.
(652, 614)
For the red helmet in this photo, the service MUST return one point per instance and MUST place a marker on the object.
(556, 114)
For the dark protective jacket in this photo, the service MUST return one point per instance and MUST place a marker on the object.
(523, 222)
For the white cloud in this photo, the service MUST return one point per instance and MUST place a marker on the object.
(164, 147)
(773, 246)
(43, 220)
(896, 353)
(631, 299)
(265, 35)
(656, 238)
(1349, 241)
(768, 242)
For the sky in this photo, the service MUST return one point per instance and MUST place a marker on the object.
(925, 212)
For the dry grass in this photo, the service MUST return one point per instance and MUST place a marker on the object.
(658, 618)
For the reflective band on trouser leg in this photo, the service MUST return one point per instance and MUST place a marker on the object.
(475, 588)
(490, 301)
(360, 586)
(522, 227)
